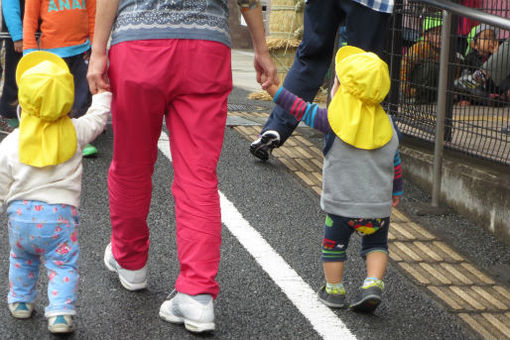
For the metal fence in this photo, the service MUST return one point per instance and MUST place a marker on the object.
(475, 95)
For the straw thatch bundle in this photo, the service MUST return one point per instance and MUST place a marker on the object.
(285, 33)
(286, 20)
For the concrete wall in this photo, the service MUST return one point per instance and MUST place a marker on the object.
(473, 188)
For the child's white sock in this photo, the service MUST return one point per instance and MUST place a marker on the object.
(335, 288)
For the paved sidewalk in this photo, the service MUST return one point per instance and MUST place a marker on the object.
(465, 290)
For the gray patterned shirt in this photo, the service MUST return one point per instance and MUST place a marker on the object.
(174, 19)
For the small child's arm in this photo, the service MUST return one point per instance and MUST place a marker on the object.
(92, 123)
(398, 183)
(5, 174)
(311, 114)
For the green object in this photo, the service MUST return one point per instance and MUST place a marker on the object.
(89, 150)
(13, 122)
(329, 221)
(431, 22)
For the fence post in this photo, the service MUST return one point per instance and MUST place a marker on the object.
(441, 108)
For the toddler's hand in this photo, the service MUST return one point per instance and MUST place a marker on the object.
(271, 89)
(395, 200)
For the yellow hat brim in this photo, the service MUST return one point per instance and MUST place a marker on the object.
(34, 58)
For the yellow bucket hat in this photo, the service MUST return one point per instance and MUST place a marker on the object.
(355, 114)
(46, 95)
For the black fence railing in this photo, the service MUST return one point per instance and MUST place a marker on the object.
(477, 115)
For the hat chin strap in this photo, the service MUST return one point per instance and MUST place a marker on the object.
(18, 113)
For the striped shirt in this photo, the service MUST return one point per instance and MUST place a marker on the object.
(385, 6)
(175, 19)
(316, 117)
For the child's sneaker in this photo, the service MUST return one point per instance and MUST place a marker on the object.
(195, 311)
(130, 279)
(369, 297)
(331, 299)
(262, 147)
(4, 126)
(89, 151)
(473, 84)
(60, 324)
(21, 310)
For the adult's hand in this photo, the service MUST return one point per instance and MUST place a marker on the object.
(263, 63)
(96, 74)
(105, 16)
(18, 46)
(266, 70)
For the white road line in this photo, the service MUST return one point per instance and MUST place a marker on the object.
(323, 320)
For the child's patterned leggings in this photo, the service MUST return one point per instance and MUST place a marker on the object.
(47, 232)
(338, 231)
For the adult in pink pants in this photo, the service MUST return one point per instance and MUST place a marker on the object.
(170, 60)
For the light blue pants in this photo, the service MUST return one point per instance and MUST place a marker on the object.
(48, 232)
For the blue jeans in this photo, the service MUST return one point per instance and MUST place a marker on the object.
(9, 90)
(365, 28)
(49, 231)
(78, 66)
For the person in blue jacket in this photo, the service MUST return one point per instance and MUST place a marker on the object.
(12, 46)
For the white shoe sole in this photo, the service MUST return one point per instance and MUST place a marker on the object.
(192, 326)
(128, 285)
(22, 314)
(60, 329)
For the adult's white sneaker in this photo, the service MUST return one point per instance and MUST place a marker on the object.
(130, 279)
(195, 311)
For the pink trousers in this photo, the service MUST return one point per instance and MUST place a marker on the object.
(187, 83)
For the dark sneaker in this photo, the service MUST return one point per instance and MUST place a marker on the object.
(506, 130)
(5, 128)
(331, 300)
(368, 299)
(262, 147)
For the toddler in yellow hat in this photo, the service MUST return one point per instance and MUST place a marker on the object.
(40, 184)
(362, 178)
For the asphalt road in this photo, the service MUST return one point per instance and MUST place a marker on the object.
(250, 305)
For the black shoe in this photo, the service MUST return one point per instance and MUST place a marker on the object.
(367, 300)
(506, 129)
(5, 128)
(331, 300)
(262, 147)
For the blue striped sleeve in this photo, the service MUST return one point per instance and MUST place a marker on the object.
(309, 113)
